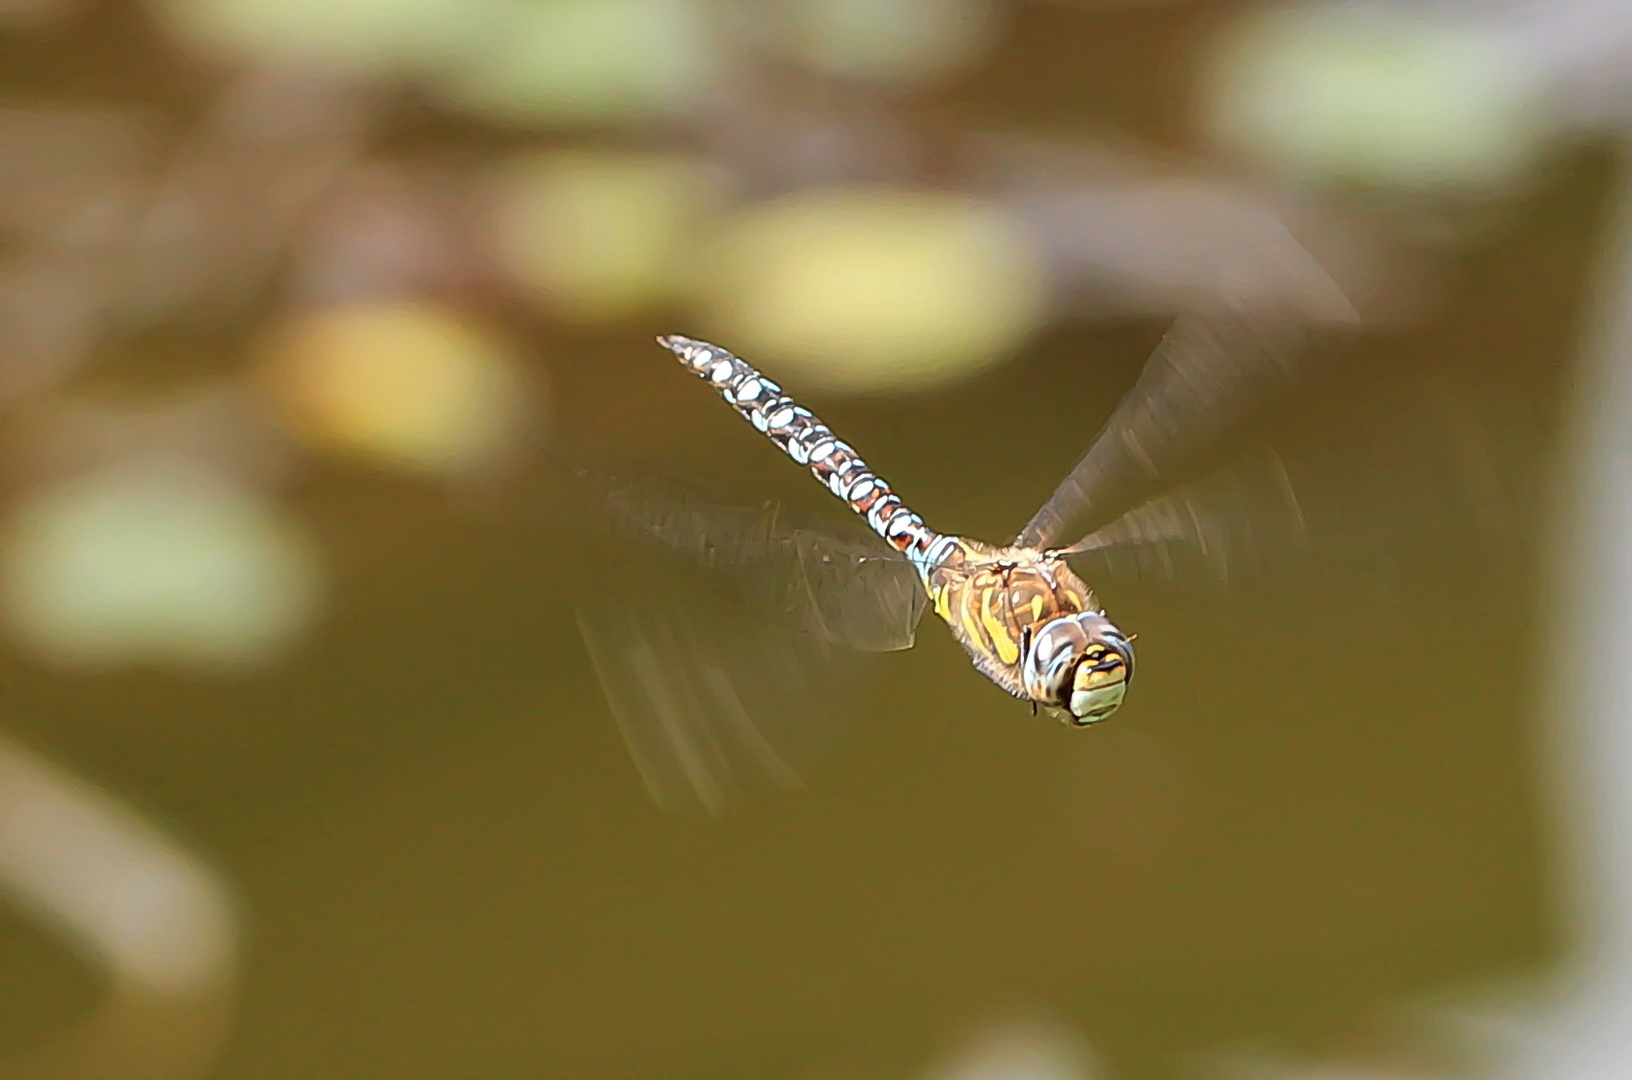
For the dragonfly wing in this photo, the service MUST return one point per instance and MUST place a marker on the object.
(846, 588)
(1227, 526)
(1210, 372)
(729, 634)
(849, 594)
(708, 704)
(1440, 468)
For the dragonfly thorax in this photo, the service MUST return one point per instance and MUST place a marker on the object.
(1031, 625)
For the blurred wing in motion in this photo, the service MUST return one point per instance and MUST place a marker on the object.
(725, 672)
(1431, 466)
(707, 703)
(1225, 525)
(1210, 372)
(844, 587)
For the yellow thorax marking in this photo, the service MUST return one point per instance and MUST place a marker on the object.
(970, 627)
(1007, 650)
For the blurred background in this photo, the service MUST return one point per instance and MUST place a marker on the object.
(305, 771)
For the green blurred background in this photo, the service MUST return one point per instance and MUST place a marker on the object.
(299, 301)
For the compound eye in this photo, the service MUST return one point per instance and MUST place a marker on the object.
(1052, 651)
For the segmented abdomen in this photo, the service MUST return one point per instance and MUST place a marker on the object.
(808, 441)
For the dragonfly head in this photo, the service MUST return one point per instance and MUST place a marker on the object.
(1080, 663)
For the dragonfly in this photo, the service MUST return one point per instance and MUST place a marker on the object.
(1023, 616)
(1026, 620)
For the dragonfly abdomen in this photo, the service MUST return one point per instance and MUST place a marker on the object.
(808, 441)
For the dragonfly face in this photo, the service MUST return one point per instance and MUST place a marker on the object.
(1080, 663)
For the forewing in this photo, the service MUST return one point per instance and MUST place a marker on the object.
(1232, 525)
(847, 589)
(1209, 373)
(1437, 467)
